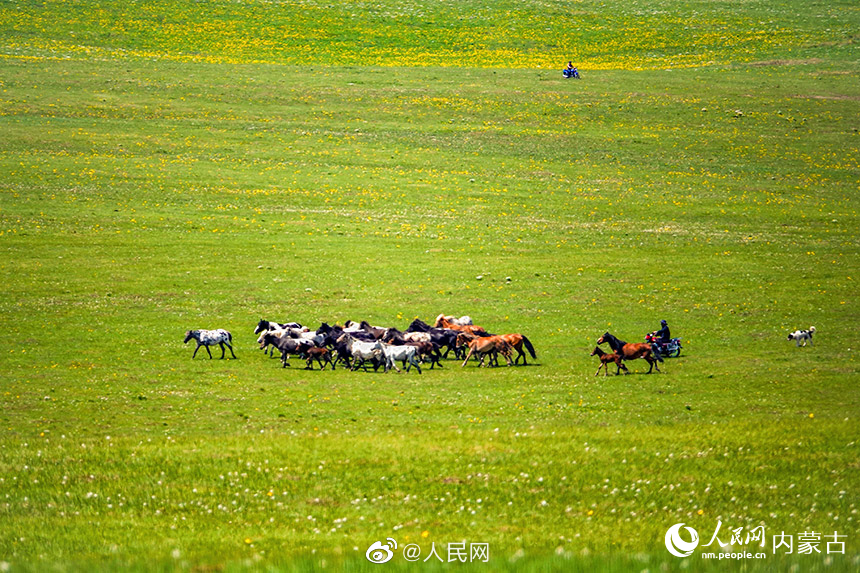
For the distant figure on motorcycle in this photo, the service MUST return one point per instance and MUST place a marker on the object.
(663, 333)
(570, 71)
(660, 338)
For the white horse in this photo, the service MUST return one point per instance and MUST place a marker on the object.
(207, 338)
(417, 337)
(308, 336)
(362, 351)
(462, 321)
(406, 354)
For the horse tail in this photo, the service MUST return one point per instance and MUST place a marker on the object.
(529, 347)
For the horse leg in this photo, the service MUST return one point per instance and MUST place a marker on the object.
(221, 344)
(469, 355)
(492, 358)
(436, 359)
(520, 354)
(652, 363)
(598, 369)
(230, 346)
(206, 346)
(195, 351)
(415, 362)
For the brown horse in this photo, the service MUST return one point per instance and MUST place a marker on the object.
(517, 341)
(442, 322)
(483, 346)
(631, 351)
(321, 355)
(606, 359)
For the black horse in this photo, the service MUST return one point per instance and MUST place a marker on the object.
(265, 325)
(444, 337)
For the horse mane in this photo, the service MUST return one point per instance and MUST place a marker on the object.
(419, 325)
(613, 341)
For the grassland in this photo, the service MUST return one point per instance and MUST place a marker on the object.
(181, 165)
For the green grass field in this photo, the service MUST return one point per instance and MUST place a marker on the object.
(176, 165)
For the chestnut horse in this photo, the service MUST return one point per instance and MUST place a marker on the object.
(483, 346)
(517, 341)
(442, 322)
(606, 359)
(631, 351)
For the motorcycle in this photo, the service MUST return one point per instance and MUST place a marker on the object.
(671, 348)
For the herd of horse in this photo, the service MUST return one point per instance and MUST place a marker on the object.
(357, 345)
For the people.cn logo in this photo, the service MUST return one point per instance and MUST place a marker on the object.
(381, 552)
(677, 546)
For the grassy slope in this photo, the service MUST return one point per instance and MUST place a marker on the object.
(144, 197)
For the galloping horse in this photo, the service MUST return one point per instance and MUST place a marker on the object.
(265, 325)
(605, 359)
(483, 346)
(630, 351)
(462, 321)
(517, 341)
(442, 322)
(444, 337)
(364, 351)
(285, 345)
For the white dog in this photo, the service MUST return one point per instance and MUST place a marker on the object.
(802, 335)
